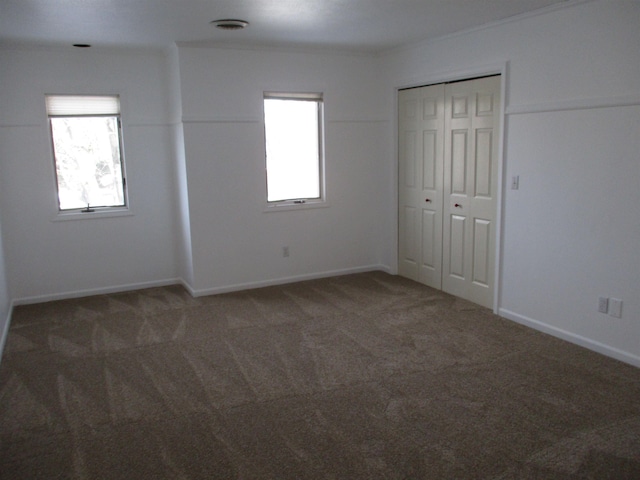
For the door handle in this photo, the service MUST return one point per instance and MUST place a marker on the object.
(457, 205)
(427, 200)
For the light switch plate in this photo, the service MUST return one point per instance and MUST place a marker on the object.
(515, 182)
(615, 307)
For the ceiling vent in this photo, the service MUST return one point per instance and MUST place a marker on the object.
(230, 24)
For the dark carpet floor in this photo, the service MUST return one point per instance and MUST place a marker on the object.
(366, 376)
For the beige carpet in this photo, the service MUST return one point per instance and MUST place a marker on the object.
(365, 376)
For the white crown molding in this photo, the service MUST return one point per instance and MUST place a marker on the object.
(280, 48)
(22, 125)
(220, 119)
(97, 49)
(339, 119)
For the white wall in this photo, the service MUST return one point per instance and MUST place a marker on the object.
(571, 231)
(195, 162)
(47, 258)
(183, 223)
(195, 159)
(5, 299)
(234, 242)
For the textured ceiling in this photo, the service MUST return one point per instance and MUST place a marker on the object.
(367, 25)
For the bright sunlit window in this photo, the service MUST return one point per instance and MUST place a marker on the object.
(87, 147)
(293, 136)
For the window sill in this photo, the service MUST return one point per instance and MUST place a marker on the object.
(288, 207)
(98, 213)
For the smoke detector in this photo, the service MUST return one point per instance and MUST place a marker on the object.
(230, 24)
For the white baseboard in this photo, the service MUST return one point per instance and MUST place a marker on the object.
(173, 281)
(187, 286)
(284, 280)
(572, 337)
(194, 292)
(521, 319)
(95, 291)
(5, 330)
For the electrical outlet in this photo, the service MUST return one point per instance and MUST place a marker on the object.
(603, 304)
(615, 307)
(285, 251)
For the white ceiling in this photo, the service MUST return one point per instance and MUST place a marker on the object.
(367, 25)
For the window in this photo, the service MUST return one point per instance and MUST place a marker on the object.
(87, 149)
(293, 138)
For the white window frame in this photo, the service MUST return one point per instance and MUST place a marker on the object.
(304, 202)
(89, 106)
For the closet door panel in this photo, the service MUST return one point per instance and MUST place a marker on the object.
(470, 181)
(420, 138)
(448, 156)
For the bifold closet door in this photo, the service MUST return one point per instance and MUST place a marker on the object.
(421, 154)
(470, 187)
(448, 147)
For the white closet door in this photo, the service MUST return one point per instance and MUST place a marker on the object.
(448, 172)
(421, 155)
(470, 187)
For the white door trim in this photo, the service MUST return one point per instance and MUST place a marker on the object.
(501, 69)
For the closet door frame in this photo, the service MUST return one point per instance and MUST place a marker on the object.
(501, 69)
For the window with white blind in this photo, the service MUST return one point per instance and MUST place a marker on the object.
(86, 135)
(293, 124)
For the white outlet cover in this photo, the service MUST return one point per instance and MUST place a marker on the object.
(603, 304)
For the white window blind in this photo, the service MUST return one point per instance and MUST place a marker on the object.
(87, 148)
(312, 97)
(78, 105)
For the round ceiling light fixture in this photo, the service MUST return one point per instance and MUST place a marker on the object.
(230, 24)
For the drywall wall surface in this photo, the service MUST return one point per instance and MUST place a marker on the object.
(183, 222)
(571, 229)
(47, 257)
(572, 136)
(235, 242)
(576, 52)
(5, 299)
